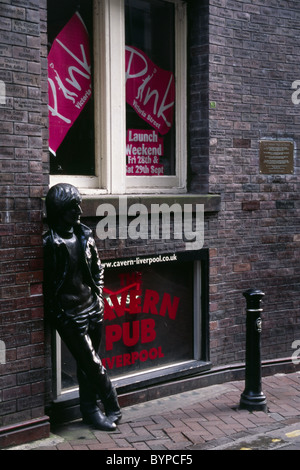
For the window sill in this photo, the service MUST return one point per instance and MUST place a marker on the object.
(211, 202)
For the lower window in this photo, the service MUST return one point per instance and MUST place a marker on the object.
(155, 321)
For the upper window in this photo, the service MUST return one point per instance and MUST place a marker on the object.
(75, 154)
(150, 88)
(122, 65)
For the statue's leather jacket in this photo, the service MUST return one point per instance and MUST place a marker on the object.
(56, 267)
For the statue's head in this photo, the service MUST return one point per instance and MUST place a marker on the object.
(63, 205)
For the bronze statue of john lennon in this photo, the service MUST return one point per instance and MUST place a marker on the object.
(73, 292)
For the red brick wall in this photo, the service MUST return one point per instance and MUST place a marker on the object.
(254, 59)
(23, 122)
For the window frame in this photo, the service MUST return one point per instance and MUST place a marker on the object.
(110, 108)
(201, 357)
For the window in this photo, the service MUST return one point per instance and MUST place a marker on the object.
(131, 135)
(150, 86)
(155, 321)
(75, 155)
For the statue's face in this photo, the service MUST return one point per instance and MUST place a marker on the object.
(72, 213)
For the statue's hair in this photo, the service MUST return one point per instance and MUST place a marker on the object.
(58, 198)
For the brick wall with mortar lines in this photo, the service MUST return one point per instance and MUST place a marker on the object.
(243, 56)
(254, 239)
(198, 96)
(254, 57)
(23, 129)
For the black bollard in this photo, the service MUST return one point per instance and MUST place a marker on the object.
(252, 398)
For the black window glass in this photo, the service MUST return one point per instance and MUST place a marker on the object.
(75, 155)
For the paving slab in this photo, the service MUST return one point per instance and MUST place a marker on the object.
(204, 419)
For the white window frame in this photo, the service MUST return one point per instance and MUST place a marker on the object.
(110, 109)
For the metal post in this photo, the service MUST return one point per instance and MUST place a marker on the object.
(252, 397)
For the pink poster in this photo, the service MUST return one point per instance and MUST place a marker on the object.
(69, 79)
(143, 151)
(150, 90)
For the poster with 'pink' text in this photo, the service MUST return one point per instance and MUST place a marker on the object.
(150, 90)
(69, 79)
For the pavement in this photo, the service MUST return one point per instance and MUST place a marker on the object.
(204, 419)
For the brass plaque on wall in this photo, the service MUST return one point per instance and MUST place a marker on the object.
(276, 157)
